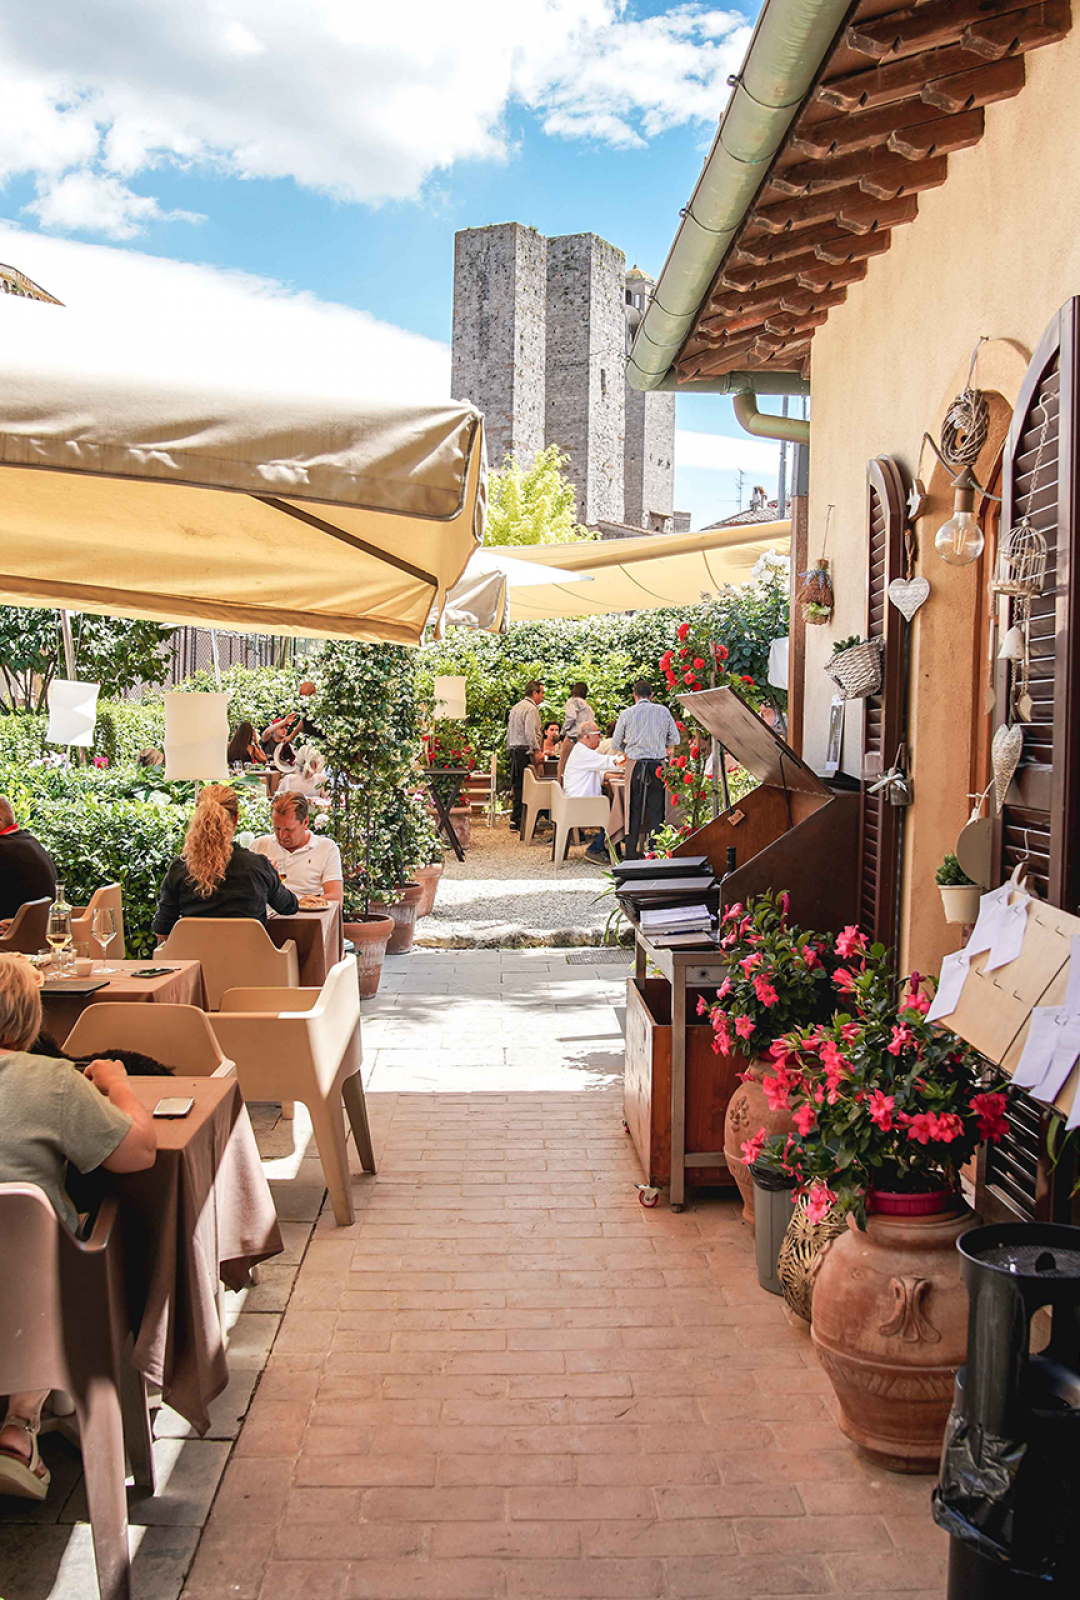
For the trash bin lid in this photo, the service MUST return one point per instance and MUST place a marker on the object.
(1032, 1251)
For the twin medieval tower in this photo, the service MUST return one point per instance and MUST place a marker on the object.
(539, 345)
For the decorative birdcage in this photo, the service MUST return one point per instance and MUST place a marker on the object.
(1020, 567)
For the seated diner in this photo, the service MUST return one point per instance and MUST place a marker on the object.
(551, 742)
(583, 776)
(244, 747)
(213, 876)
(52, 1114)
(26, 867)
(307, 863)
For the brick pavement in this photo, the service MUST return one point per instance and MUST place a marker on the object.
(508, 1379)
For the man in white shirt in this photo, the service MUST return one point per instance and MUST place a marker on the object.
(307, 863)
(583, 776)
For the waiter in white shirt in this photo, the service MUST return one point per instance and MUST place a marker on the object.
(583, 776)
(307, 863)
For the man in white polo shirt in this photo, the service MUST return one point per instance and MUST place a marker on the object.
(583, 776)
(307, 863)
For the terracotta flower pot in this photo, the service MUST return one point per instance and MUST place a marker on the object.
(748, 1110)
(428, 879)
(461, 817)
(403, 914)
(960, 902)
(796, 1264)
(890, 1314)
(370, 936)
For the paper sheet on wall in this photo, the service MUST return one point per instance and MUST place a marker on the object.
(1008, 940)
(954, 969)
(1053, 1040)
(1039, 1047)
(1062, 1062)
(991, 908)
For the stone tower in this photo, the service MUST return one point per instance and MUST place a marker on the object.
(499, 337)
(539, 345)
(586, 342)
(649, 455)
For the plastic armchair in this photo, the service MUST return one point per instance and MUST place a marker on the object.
(109, 897)
(26, 931)
(587, 811)
(535, 797)
(63, 1322)
(235, 952)
(178, 1036)
(304, 1044)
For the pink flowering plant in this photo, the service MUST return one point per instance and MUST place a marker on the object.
(778, 978)
(880, 1098)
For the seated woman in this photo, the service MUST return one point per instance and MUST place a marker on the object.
(552, 740)
(214, 877)
(50, 1114)
(245, 748)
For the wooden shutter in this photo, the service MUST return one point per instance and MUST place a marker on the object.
(880, 823)
(1040, 816)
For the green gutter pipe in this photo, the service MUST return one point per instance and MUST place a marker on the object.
(765, 426)
(790, 41)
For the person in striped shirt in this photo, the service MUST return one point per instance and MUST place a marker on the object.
(645, 732)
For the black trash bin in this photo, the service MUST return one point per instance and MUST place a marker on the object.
(772, 1212)
(1009, 1489)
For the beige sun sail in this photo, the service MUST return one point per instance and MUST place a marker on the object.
(659, 569)
(273, 513)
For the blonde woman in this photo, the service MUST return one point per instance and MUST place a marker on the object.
(50, 1114)
(215, 877)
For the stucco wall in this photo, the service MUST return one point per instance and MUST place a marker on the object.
(995, 251)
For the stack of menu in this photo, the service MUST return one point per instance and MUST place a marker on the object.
(674, 902)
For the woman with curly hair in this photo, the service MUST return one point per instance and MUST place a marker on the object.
(215, 877)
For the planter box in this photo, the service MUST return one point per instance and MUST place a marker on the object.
(711, 1080)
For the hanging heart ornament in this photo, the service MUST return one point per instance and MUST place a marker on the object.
(1005, 758)
(908, 594)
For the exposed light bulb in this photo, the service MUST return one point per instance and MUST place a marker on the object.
(960, 541)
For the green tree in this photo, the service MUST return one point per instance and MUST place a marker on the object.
(533, 505)
(111, 651)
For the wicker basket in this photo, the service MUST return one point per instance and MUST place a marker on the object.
(857, 670)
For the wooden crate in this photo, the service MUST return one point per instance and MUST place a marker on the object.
(711, 1080)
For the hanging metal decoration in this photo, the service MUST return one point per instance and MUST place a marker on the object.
(960, 540)
(908, 593)
(1005, 753)
(1019, 575)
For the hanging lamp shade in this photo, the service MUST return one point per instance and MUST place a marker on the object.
(196, 737)
(72, 712)
(450, 697)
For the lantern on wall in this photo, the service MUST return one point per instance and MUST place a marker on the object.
(196, 737)
(960, 540)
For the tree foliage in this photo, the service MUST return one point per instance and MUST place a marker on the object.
(533, 505)
(117, 653)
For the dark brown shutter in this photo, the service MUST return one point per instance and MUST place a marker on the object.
(1040, 816)
(879, 833)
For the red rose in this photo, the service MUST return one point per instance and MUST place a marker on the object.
(750, 681)
(688, 777)
(698, 663)
(659, 772)
(683, 629)
(721, 652)
(688, 677)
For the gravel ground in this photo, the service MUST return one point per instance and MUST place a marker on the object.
(509, 893)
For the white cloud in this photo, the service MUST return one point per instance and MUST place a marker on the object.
(719, 452)
(92, 202)
(210, 327)
(361, 101)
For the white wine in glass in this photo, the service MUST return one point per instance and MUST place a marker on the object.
(104, 931)
(58, 929)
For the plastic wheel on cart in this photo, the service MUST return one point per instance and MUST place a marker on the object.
(647, 1196)
(625, 1126)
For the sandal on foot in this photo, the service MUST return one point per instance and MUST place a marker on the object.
(25, 1479)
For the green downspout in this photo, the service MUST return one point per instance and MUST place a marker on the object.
(763, 425)
(790, 41)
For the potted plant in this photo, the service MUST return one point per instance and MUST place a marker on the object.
(404, 836)
(886, 1109)
(960, 895)
(778, 977)
(855, 666)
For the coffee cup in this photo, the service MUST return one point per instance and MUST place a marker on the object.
(84, 966)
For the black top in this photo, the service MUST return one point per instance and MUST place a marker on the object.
(249, 885)
(26, 871)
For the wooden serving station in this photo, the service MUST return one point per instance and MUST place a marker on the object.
(790, 833)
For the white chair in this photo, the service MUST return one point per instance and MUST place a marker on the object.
(568, 814)
(304, 1044)
(109, 897)
(234, 951)
(535, 797)
(178, 1036)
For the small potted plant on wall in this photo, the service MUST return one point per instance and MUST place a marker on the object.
(959, 894)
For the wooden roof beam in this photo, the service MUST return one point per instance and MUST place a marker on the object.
(924, 27)
(941, 136)
(775, 246)
(911, 177)
(837, 251)
(860, 131)
(1030, 29)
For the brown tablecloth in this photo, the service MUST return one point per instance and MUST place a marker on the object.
(618, 789)
(320, 941)
(182, 986)
(202, 1211)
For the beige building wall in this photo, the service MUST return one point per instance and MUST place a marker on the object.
(995, 251)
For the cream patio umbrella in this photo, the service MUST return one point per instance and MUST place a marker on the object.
(123, 494)
(659, 569)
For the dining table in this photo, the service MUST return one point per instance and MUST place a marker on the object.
(617, 786)
(319, 936)
(62, 1004)
(202, 1215)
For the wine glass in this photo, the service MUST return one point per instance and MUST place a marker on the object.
(104, 931)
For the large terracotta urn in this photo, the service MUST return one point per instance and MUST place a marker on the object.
(747, 1111)
(461, 817)
(428, 879)
(403, 914)
(797, 1262)
(369, 935)
(890, 1315)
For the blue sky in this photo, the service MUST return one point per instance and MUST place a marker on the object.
(288, 182)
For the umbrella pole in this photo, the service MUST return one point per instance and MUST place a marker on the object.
(214, 658)
(69, 668)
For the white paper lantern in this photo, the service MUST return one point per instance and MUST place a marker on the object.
(196, 736)
(450, 697)
(72, 712)
(778, 663)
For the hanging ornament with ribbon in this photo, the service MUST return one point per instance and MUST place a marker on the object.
(908, 593)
